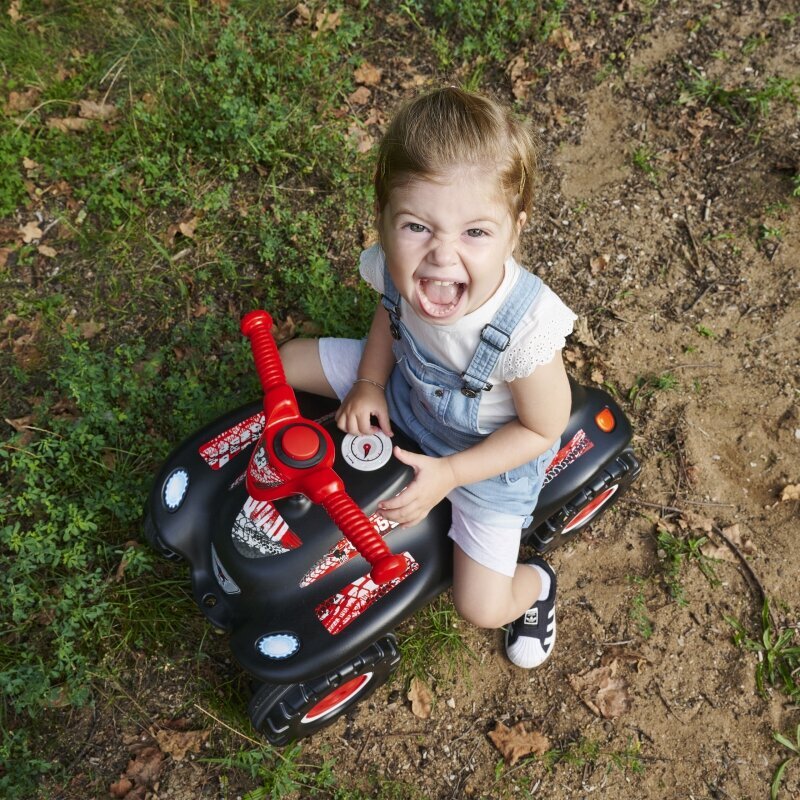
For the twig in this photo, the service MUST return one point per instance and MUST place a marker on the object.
(745, 563)
(225, 725)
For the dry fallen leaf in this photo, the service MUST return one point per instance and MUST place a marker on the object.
(724, 553)
(90, 329)
(583, 334)
(420, 697)
(31, 232)
(368, 74)
(516, 743)
(563, 39)
(22, 101)
(516, 70)
(602, 692)
(178, 743)
(142, 772)
(689, 520)
(93, 110)
(360, 96)
(598, 264)
(67, 124)
(188, 227)
(47, 251)
(326, 21)
(790, 492)
(13, 10)
(362, 139)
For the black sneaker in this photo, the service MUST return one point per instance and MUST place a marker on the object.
(531, 638)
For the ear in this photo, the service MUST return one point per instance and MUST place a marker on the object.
(521, 220)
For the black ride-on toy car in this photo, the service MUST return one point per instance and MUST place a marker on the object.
(274, 510)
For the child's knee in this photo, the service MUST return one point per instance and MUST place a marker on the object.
(478, 611)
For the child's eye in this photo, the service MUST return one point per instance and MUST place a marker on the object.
(415, 227)
(476, 233)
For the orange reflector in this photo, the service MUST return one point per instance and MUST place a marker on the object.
(605, 420)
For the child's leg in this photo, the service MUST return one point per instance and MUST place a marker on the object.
(491, 589)
(490, 599)
(303, 367)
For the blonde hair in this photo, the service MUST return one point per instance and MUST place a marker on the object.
(449, 127)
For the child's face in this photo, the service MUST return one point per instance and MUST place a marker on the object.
(446, 242)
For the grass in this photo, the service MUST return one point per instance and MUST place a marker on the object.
(639, 613)
(794, 749)
(647, 385)
(744, 104)
(432, 643)
(644, 159)
(777, 652)
(674, 552)
(227, 177)
(285, 775)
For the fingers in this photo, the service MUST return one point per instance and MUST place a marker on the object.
(384, 424)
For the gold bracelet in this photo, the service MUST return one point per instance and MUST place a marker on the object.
(374, 383)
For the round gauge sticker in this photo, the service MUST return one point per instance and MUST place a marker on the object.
(367, 453)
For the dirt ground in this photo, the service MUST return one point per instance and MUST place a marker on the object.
(667, 223)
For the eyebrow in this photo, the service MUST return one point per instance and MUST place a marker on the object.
(469, 224)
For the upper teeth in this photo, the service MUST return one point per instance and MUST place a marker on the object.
(443, 283)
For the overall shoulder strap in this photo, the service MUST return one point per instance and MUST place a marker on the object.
(391, 301)
(496, 335)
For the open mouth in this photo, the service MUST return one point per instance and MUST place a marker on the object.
(439, 298)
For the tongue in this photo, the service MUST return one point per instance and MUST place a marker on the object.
(441, 294)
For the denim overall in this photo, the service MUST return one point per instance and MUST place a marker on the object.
(439, 408)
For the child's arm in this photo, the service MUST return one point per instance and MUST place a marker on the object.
(366, 398)
(542, 401)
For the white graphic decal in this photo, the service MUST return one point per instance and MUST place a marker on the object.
(221, 449)
(278, 646)
(367, 453)
(229, 586)
(259, 530)
(175, 488)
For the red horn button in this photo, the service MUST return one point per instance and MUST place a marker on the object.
(300, 443)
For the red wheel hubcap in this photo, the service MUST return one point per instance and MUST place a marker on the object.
(337, 698)
(587, 513)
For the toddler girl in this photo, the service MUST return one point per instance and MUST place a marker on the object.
(463, 354)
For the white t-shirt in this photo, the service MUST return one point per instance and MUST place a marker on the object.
(539, 334)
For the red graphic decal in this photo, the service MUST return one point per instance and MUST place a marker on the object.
(367, 448)
(261, 471)
(347, 605)
(221, 449)
(568, 454)
(259, 530)
(343, 551)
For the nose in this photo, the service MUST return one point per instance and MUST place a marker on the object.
(443, 252)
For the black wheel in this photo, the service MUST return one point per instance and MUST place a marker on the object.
(594, 499)
(293, 711)
(155, 541)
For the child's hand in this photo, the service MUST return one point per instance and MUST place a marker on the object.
(433, 479)
(364, 401)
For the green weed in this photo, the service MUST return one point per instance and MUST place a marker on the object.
(744, 104)
(705, 331)
(589, 752)
(644, 159)
(285, 774)
(674, 552)
(778, 655)
(794, 748)
(432, 641)
(639, 613)
(464, 31)
(646, 386)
